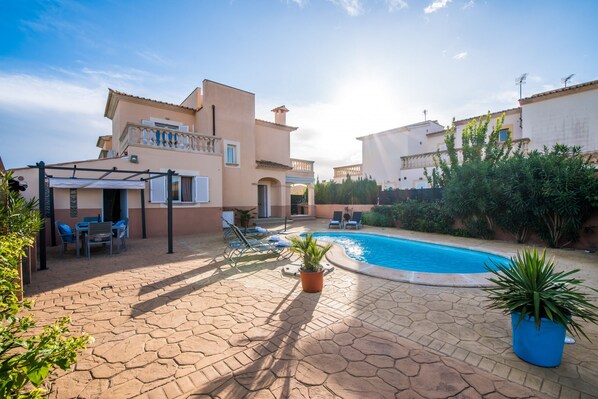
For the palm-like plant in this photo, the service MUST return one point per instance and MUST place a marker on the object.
(529, 285)
(310, 251)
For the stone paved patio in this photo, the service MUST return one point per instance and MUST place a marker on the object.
(188, 325)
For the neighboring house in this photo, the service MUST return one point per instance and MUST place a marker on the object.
(224, 158)
(396, 158)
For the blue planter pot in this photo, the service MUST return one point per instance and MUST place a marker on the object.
(542, 347)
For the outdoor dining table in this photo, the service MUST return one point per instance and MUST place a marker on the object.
(83, 227)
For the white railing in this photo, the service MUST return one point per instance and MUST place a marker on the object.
(301, 165)
(135, 134)
(426, 160)
(349, 170)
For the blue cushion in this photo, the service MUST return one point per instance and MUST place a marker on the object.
(66, 232)
(283, 244)
(120, 223)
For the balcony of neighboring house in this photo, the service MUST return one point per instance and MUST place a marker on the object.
(341, 172)
(167, 139)
(302, 168)
(426, 160)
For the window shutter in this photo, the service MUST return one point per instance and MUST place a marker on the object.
(201, 189)
(158, 189)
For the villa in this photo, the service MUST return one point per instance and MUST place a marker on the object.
(222, 157)
(396, 158)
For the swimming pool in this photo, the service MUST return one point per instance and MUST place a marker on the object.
(415, 256)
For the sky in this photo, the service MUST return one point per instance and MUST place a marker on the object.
(344, 68)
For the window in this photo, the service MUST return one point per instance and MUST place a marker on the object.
(442, 147)
(503, 135)
(192, 189)
(231, 154)
(232, 157)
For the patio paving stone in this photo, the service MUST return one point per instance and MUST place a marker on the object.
(187, 325)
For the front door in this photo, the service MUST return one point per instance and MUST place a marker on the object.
(262, 201)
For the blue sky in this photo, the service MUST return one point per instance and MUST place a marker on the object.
(345, 68)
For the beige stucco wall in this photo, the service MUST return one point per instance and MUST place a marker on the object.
(235, 120)
(568, 119)
(272, 144)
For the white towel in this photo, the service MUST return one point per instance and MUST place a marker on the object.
(274, 238)
(283, 243)
(260, 229)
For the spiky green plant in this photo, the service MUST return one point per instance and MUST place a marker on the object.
(529, 284)
(312, 253)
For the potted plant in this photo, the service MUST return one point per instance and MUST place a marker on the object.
(312, 273)
(244, 216)
(543, 305)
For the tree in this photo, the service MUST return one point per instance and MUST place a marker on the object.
(26, 358)
(563, 191)
(476, 146)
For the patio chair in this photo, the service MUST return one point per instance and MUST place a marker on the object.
(99, 234)
(66, 235)
(88, 219)
(121, 233)
(242, 245)
(337, 220)
(355, 221)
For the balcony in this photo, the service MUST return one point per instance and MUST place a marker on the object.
(175, 140)
(426, 160)
(302, 166)
(342, 172)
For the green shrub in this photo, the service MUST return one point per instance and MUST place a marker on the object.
(428, 217)
(379, 216)
(360, 191)
(26, 358)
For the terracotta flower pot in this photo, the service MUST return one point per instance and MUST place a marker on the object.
(312, 281)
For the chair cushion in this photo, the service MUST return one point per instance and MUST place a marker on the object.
(260, 229)
(274, 238)
(120, 223)
(283, 244)
(100, 237)
(66, 232)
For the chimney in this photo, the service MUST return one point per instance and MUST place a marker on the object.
(280, 115)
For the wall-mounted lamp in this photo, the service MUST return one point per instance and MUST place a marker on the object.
(421, 178)
(133, 159)
(405, 178)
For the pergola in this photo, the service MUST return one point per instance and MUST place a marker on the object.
(134, 179)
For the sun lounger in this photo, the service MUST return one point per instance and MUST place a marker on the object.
(242, 245)
(337, 220)
(355, 221)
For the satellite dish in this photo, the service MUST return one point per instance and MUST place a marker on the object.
(566, 79)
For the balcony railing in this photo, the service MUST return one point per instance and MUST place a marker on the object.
(426, 160)
(302, 166)
(349, 170)
(148, 136)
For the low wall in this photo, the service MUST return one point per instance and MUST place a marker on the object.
(325, 210)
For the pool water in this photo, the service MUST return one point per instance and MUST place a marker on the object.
(411, 255)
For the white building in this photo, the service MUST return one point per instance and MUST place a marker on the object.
(396, 158)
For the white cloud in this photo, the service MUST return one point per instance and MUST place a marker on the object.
(436, 5)
(50, 119)
(394, 5)
(352, 7)
(460, 56)
(300, 3)
(468, 5)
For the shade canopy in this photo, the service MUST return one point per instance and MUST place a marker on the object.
(57, 182)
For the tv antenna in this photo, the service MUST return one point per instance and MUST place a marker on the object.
(520, 81)
(566, 79)
(425, 114)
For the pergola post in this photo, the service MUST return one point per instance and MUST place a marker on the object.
(52, 218)
(169, 188)
(143, 229)
(42, 210)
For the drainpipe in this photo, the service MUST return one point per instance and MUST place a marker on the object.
(213, 120)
